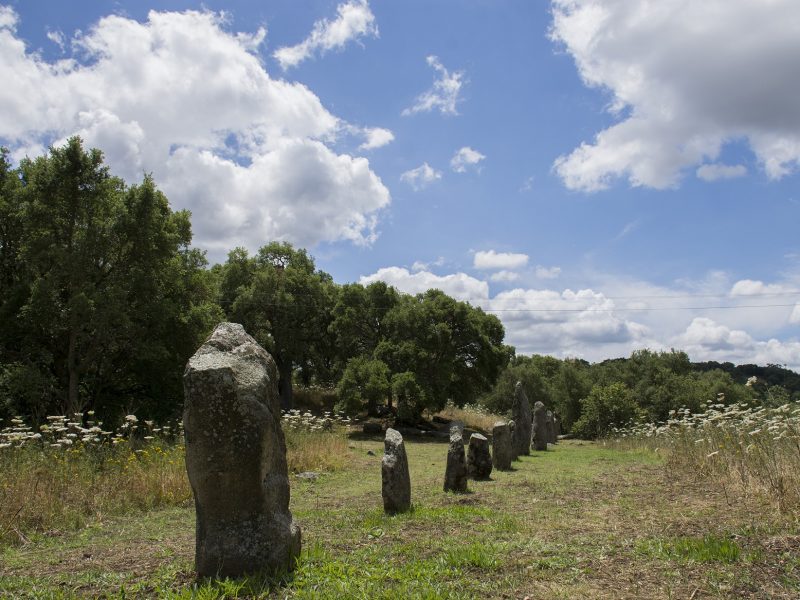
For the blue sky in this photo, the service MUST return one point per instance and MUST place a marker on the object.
(604, 175)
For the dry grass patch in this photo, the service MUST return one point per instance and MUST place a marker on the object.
(473, 417)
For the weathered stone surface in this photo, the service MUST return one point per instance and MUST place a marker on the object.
(479, 459)
(396, 482)
(511, 428)
(521, 412)
(502, 452)
(557, 427)
(457, 426)
(539, 426)
(455, 475)
(236, 458)
(551, 428)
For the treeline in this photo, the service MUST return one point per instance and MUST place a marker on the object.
(102, 301)
(592, 398)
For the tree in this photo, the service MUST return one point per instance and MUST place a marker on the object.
(284, 306)
(364, 383)
(454, 350)
(605, 407)
(105, 301)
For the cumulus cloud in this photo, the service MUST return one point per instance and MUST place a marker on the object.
(751, 287)
(376, 137)
(682, 86)
(627, 316)
(504, 276)
(443, 96)
(717, 171)
(180, 96)
(464, 158)
(705, 339)
(354, 21)
(458, 285)
(57, 38)
(490, 260)
(420, 177)
(547, 272)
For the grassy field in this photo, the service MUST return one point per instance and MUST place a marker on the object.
(580, 521)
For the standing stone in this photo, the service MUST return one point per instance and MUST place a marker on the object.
(551, 428)
(457, 426)
(557, 427)
(539, 426)
(455, 475)
(502, 448)
(236, 458)
(479, 460)
(396, 488)
(511, 427)
(521, 411)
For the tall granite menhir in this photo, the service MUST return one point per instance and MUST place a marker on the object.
(521, 412)
(236, 458)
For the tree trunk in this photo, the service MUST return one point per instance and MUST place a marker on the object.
(74, 377)
(285, 385)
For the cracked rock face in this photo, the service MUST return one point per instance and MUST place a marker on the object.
(395, 479)
(236, 458)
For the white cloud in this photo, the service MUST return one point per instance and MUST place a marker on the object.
(717, 171)
(376, 137)
(504, 276)
(8, 18)
(57, 38)
(750, 287)
(794, 318)
(443, 96)
(465, 157)
(627, 316)
(527, 185)
(423, 266)
(183, 98)
(681, 86)
(458, 285)
(354, 21)
(705, 339)
(420, 177)
(547, 272)
(490, 260)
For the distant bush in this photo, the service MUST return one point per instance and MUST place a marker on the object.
(606, 406)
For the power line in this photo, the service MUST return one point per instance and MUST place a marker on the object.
(643, 309)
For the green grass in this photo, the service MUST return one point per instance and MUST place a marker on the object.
(579, 521)
(685, 549)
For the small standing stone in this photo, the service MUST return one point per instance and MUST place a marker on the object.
(501, 446)
(551, 428)
(236, 458)
(521, 411)
(511, 428)
(539, 426)
(396, 488)
(455, 476)
(479, 459)
(557, 427)
(458, 426)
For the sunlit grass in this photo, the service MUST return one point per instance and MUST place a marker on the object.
(752, 449)
(70, 472)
